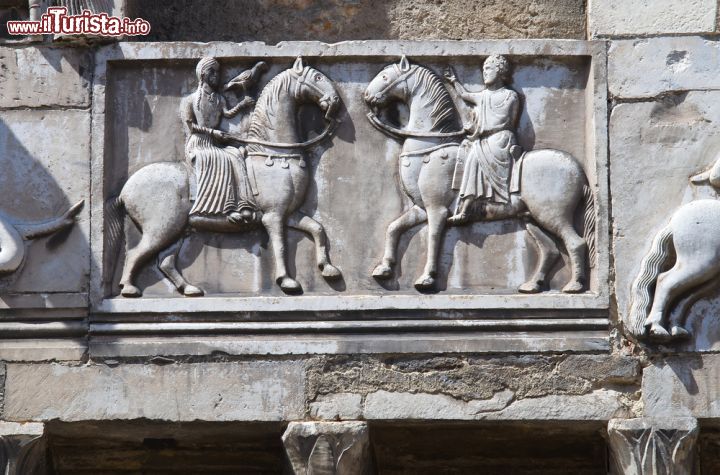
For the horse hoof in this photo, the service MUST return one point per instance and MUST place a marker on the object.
(330, 272)
(530, 288)
(573, 288)
(658, 333)
(425, 282)
(192, 291)
(679, 332)
(382, 271)
(130, 291)
(289, 285)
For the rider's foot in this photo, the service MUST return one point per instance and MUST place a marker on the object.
(244, 216)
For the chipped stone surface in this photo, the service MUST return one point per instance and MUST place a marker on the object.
(642, 17)
(468, 379)
(341, 406)
(647, 67)
(45, 77)
(252, 391)
(336, 20)
(597, 405)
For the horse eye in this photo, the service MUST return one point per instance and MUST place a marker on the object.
(318, 77)
(384, 76)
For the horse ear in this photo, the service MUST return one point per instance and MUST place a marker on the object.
(404, 64)
(298, 66)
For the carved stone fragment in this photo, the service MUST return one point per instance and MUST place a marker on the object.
(328, 448)
(495, 179)
(692, 236)
(653, 446)
(22, 449)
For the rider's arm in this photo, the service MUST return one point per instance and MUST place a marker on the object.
(187, 114)
(464, 94)
(230, 113)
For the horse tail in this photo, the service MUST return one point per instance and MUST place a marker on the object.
(640, 291)
(589, 228)
(114, 235)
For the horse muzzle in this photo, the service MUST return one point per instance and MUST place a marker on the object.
(330, 105)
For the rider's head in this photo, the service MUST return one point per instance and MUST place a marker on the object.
(496, 69)
(208, 71)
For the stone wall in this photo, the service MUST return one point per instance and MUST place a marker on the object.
(465, 379)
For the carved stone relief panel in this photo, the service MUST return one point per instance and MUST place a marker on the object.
(664, 151)
(334, 174)
(45, 183)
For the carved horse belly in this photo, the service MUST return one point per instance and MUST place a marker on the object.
(278, 183)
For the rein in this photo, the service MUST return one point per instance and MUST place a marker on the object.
(399, 133)
(329, 129)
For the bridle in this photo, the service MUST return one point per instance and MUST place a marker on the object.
(394, 131)
(301, 79)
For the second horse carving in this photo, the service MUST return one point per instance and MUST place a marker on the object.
(552, 183)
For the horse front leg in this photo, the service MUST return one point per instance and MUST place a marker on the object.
(308, 225)
(437, 218)
(405, 221)
(275, 227)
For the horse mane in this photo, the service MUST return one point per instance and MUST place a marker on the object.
(262, 116)
(434, 92)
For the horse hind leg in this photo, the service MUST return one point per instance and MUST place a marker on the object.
(577, 253)
(168, 266)
(678, 317)
(683, 276)
(548, 255)
(308, 225)
(397, 228)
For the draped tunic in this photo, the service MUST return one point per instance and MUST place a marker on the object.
(487, 149)
(222, 180)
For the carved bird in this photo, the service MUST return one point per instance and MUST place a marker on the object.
(245, 80)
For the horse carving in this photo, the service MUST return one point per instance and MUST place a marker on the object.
(693, 238)
(157, 197)
(552, 183)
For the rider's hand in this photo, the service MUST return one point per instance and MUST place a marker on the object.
(449, 74)
(220, 135)
(249, 102)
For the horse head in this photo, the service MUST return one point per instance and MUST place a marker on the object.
(313, 86)
(390, 84)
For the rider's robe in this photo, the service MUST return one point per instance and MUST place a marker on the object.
(487, 149)
(222, 179)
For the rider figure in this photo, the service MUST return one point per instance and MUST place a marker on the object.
(490, 147)
(223, 190)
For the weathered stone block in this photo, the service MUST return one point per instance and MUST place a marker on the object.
(252, 391)
(342, 406)
(45, 77)
(641, 17)
(647, 67)
(598, 405)
(655, 147)
(46, 170)
(334, 21)
(683, 386)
